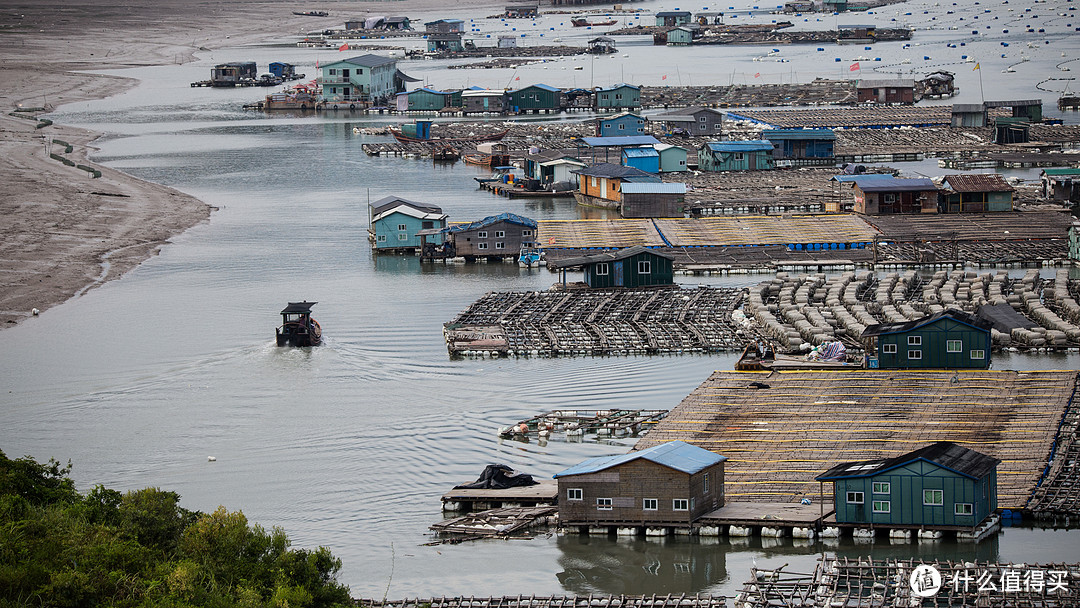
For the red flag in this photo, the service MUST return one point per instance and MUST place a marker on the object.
(758, 75)
(551, 241)
(854, 67)
(664, 77)
(518, 78)
(343, 47)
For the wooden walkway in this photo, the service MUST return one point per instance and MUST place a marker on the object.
(862, 116)
(780, 430)
(684, 600)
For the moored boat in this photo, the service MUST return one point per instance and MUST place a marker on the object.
(297, 326)
(405, 139)
(531, 255)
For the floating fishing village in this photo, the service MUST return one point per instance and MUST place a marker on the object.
(874, 252)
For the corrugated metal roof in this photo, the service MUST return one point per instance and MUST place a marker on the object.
(1061, 171)
(641, 153)
(894, 83)
(612, 170)
(608, 256)
(978, 182)
(771, 134)
(959, 316)
(621, 140)
(677, 455)
(968, 108)
(545, 87)
(388, 202)
(619, 86)
(867, 177)
(945, 454)
(409, 211)
(369, 60)
(673, 14)
(753, 145)
(494, 219)
(895, 184)
(644, 188)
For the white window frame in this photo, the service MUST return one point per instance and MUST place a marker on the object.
(500, 234)
(402, 227)
(603, 504)
(978, 354)
(881, 487)
(881, 506)
(381, 238)
(928, 497)
(855, 498)
(954, 346)
(680, 504)
(526, 232)
(650, 504)
(914, 354)
(963, 508)
(602, 269)
(482, 234)
(575, 494)
(888, 349)
(481, 246)
(402, 236)
(644, 267)
(914, 340)
(500, 245)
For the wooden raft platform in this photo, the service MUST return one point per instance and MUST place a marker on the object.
(862, 116)
(772, 514)
(699, 600)
(779, 437)
(544, 493)
(497, 522)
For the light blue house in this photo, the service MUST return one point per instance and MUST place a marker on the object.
(359, 81)
(398, 224)
(680, 36)
(942, 484)
(672, 157)
(619, 97)
(799, 147)
(752, 155)
(620, 124)
(645, 158)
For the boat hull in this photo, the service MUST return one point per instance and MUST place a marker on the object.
(405, 139)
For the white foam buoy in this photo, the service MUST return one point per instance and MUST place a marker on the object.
(35, 312)
(211, 458)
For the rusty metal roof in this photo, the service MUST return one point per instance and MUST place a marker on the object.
(978, 182)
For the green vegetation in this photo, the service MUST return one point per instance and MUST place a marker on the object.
(61, 548)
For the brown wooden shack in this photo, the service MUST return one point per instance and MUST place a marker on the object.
(495, 236)
(672, 483)
(896, 91)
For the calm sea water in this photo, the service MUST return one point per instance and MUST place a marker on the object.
(351, 444)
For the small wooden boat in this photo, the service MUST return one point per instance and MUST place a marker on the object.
(445, 152)
(580, 22)
(531, 255)
(477, 158)
(405, 139)
(297, 326)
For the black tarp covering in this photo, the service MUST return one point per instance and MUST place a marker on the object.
(499, 477)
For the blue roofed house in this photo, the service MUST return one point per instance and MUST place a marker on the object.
(942, 484)
(670, 483)
(494, 236)
(425, 100)
(618, 125)
(752, 155)
(609, 149)
(395, 224)
(645, 158)
(360, 81)
(618, 97)
(801, 147)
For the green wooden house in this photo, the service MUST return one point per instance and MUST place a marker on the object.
(976, 193)
(359, 81)
(950, 339)
(1074, 241)
(427, 100)
(680, 36)
(395, 224)
(750, 155)
(942, 484)
(630, 267)
(536, 98)
(619, 97)
(672, 157)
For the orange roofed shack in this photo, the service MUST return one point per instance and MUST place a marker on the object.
(671, 483)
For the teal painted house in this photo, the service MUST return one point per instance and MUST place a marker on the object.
(680, 36)
(942, 484)
(750, 155)
(620, 124)
(672, 157)
(630, 267)
(428, 100)
(619, 97)
(536, 98)
(1074, 241)
(359, 81)
(396, 222)
(951, 339)
(976, 193)
(802, 146)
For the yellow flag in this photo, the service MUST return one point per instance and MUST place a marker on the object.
(975, 68)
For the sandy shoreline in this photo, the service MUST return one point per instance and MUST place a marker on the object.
(59, 225)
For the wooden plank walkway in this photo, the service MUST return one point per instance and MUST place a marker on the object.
(765, 230)
(798, 424)
(597, 234)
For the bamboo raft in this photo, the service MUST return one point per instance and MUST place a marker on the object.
(497, 522)
(580, 422)
(841, 581)
(683, 600)
(780, 430)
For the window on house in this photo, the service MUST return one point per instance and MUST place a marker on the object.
(644, 267)
(402, 236)
(526, 233)
(963, 508)
(650, 504)
(705, 484)
(855, 498)
(888, 198)
(603, 504)
(594, 182)
(978, 354)
(622, 127)
(481, 245)
(739, 156)
(717, 126)
(602, 269)
(882, 487)
(500, 245)
(954, 346)
(402, 227)
(881, 506)
(680, 504)
(888, 349)
(914, 354)
(933, 497)
(427, 225)
(574, 494)
(499, 234)
(382, 238)
(482, 234)
(914, 340)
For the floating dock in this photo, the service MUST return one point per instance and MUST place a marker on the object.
(780, 430)
(683, 600)
(543, 494)
(497, 522)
